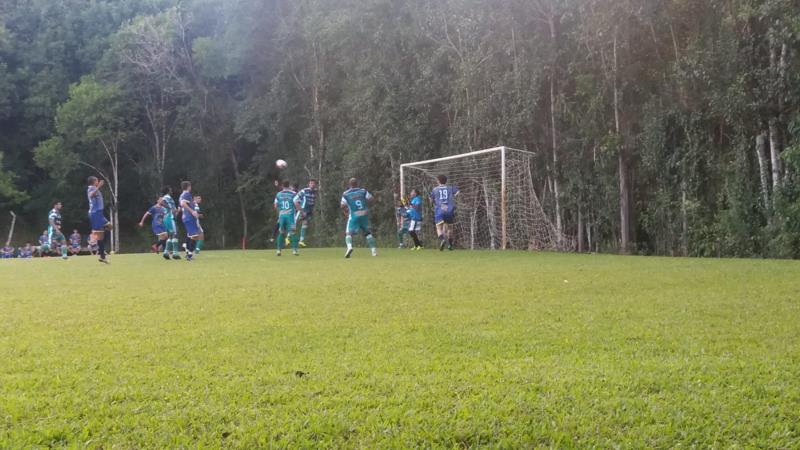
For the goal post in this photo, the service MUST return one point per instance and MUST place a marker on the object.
(497, 207)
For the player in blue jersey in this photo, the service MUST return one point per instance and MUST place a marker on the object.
(285, 207)
(444, 206)
(190, 219)
(170, 224)
(304, 202)
(414, 213)
(157, 214)
(55, 238)
(44, 244)
(355, 205)
(74, 243)
(98, 222)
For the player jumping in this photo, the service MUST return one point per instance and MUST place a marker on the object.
(355, 204)
(304, 203)
(285, 206)
(444, 203)
(157, 213)
(193, 231)
(170, 225)
(97, 220)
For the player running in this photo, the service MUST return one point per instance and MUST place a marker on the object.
(414, 213)
(444, 205)
(97, 220)
(304, 202)
(170, 225)
(74, 243)
(284, 204)
(193, 231)
(158, 213)
(355, 205)
(54, 234)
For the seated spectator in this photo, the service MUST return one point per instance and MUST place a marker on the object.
(74, 243)
(7, 252)
(44, 243)
(92, 245)
(26, 251)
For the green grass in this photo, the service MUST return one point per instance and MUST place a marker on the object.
(463, 349)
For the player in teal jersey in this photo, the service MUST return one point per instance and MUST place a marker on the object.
(355, 204)
(284, 205)
(170, 225)
(197, 200)
(54, 234)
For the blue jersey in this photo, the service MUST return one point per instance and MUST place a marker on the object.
(415, 209)
(307, 198)
(186, 196)
(7, 252)
(403, 214)
(284, 202)
(25, 252)
(357, 201)
(158, 213)
(75, 240)
(43, 239)
(444, 201)
(95, 199)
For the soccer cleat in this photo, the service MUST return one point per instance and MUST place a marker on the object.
(176, 256)
(103, 260)
(450, 247)
(302, 244)
(166, 256)
(272, 239)
(348, 252)
(295, 253)
(278, 253)
(189, 257)
(374, 252)
(65, 257)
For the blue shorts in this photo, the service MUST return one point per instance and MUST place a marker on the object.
(445, 217)
(192, 226)
(356, 223)
(159, 229)
(97, 221)
(286, 223)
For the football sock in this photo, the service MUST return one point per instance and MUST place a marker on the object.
(279, 241)
(198, 245)
(303, 232)
(371, 242)
(101, 248)
(64, 251)
(162, 244)
(294, 240)
(175, 246)
(349, 241)
(414, 236)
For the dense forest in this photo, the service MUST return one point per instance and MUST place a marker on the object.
(660, 127)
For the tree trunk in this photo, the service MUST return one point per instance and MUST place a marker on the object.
(622, 160)
(684, 223)
(242, 208)
(115, 230)
(763, 166)
(775, 147)
(553, 124)
(581, 238)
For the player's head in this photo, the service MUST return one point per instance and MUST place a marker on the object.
(312, 183)
(198, 199)
(74, 231)
(57, 206)
(353, 182)
(186, 186)
(92, 180)
(285, 184)
(442, 179)
(293, 187)
(413, 193)
(166, 190)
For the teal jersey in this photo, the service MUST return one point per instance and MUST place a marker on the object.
(170, 204)
(357, 201)
(54, 218)
(284, 203)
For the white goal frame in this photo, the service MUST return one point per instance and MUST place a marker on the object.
(561, 242)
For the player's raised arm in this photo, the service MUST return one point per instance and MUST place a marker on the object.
(370, 198)
(343, 205)
(141, 222)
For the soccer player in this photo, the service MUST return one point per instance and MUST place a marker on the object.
(193, 231)
(54, 234)
(169, 224)
(304, 202)
(74, 243)
(7, 252)
(402, 224)
(157, 213)
(355, 205)
(285, 206)
(444, 205)
(414, 213)
(197, 200)
(26, 251)
(44, 244)
(97, 220)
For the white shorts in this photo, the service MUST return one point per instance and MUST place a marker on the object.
(415, 225)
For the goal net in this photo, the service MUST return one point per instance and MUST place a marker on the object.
(497, 207)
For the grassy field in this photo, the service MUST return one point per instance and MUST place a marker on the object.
(453, 350)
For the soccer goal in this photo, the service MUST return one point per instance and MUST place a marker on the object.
(497, 207)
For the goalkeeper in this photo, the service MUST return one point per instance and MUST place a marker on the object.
(414, 214)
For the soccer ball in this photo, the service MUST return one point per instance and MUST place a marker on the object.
(281, 164)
